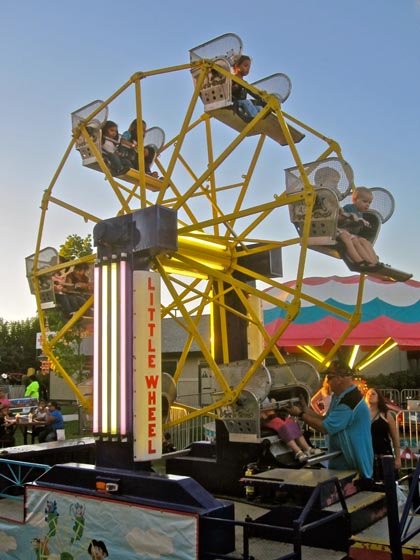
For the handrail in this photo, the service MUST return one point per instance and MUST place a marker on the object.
(20, 472)
(296, 531)
(398, 526)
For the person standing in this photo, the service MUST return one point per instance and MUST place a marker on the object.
(385, 435)
(347, 423)
(32, 389)
(320, 402)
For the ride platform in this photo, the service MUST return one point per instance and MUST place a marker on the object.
(336, 505)
(373, 543)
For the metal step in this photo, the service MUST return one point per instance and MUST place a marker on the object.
(295, 486)
(365, 509)
(362, 508)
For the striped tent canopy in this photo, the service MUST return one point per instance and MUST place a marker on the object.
(389, 311)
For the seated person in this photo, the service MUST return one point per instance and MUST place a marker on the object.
(167, 444)
(351, 222)
(110, 143)
(241, 68)
(288, 431)
(6, 430)
(62, 296)
(75, 290)
(54, 421)
(128, 149)
(39, 415)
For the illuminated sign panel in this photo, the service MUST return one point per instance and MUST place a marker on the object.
(147, 398)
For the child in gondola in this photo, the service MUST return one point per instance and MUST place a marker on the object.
(110, 142)
(351, 221)
(128, 147)
(288, 430)
(241, 68)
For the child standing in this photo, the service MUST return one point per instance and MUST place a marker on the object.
(110, 143)
(241, 68)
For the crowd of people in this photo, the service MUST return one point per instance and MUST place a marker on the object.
(45, 420)
(359, 426)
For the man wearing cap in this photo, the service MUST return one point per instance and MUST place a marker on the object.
(347, 423)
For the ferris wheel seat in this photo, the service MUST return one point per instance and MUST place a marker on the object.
(269, 126)
(154, 139)
(277, 386)
(216, 94)
(47, 257)
(216, 88)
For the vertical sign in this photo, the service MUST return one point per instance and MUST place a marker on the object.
(147, 378)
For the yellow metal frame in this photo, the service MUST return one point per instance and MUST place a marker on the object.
(211, 246)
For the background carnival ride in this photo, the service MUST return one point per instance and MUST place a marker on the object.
(389, 318)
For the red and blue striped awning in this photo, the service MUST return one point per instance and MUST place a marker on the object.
(389, 310)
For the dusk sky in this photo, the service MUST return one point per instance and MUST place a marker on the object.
(354, 66)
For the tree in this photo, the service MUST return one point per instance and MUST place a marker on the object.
(76, 247)
(68, 349)
(17, 344)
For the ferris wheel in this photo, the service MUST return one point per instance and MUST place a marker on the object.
(221, 172)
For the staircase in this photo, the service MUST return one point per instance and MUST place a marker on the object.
(326, 504)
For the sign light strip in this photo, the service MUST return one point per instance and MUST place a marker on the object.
(96, 346)
(113, 369)
(123, 358)
(105, 365)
